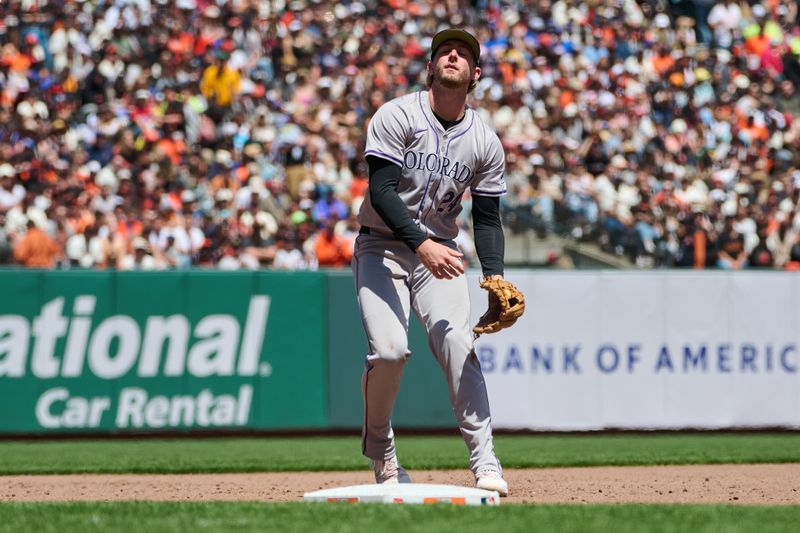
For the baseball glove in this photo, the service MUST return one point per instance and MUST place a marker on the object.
(506, 305)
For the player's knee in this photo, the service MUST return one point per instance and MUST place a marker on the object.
(456, 343)
(392, 352)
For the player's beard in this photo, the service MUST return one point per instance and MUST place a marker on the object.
(452, 79)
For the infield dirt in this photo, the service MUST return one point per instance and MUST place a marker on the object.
(767, 484)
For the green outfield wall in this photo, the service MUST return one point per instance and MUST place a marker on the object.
(121, 352)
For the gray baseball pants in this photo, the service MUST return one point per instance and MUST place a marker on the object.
(390, 280)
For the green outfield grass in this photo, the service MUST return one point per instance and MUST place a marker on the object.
(183, 517)
(260, 454)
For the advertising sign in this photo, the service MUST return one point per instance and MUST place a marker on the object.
(654, 350)
(167, 351)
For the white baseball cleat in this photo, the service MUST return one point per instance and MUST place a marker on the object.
(491, 480)
(390, 471)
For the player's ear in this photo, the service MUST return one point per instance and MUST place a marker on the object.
(476, 73)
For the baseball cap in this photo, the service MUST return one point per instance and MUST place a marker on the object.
(7, 171)
(458, 35)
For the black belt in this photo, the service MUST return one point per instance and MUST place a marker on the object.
(366, 230)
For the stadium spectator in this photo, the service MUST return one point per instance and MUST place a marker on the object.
(36, 249)
(11, 193)
(331, 249)
(139, 257)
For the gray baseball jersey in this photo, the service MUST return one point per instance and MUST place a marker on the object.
(438, 165)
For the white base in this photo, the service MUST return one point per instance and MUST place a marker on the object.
(405, 493)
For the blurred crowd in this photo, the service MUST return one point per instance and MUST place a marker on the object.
(154, 134)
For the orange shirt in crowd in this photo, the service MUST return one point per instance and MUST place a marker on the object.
(173, 149)
(663, 196)
(757, 133)
(332, 250)
(129, 228)
(699, 255)
(507, 71)
(36, 249)
(79, 222)
(757, 44)
(359, 187)
(565, 98)
(16, 60)
(753, 131)
(662, 63)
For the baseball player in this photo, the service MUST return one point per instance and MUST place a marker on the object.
(424, 151)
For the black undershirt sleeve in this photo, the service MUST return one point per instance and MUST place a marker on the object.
(489, 239)
(384, 177)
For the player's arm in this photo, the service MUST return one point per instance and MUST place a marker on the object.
(384, 177)
(488, 230)
(488, 186)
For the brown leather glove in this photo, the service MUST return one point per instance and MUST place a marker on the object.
(506, 305)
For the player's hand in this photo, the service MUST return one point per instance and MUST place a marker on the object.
(442, 261)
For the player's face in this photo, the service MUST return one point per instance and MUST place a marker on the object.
(453, 65)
